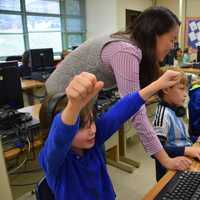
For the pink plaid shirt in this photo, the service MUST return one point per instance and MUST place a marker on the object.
(124, 58)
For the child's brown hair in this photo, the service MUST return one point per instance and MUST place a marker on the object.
(47, 111)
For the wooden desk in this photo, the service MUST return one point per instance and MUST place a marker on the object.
(183, 69)
(165, 179)
(28, 87)
(34, 111)
(31, 84)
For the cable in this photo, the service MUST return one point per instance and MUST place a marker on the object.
(24, 161)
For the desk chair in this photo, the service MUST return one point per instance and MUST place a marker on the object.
(42, 190)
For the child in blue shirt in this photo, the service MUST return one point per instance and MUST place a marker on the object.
(169, 126)
(72, 157)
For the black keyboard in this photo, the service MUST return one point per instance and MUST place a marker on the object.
(40, 76)
(183, 186)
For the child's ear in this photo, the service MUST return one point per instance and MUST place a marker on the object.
(165, 91)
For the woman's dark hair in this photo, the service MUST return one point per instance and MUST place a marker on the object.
(152, 22)
(25, 58)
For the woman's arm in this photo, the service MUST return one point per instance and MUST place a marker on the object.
(124, 60)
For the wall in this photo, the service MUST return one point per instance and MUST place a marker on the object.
(173, 5)
(179, 10)
(100, 17)
(103, 16)
(122, 5)
(192, 8)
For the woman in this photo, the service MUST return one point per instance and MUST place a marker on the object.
(130, 59)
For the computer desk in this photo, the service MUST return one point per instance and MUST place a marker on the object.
(28, 87)
(114, 141)
(165, 179)
(31, 84)
(34, 111)
(183, 69)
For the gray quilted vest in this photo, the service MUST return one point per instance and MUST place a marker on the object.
(87, 57)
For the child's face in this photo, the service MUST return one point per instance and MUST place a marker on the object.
(85, 137)
(176, 95)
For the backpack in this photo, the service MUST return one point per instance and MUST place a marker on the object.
(194, 111)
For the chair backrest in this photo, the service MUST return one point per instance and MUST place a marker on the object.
(42, 191)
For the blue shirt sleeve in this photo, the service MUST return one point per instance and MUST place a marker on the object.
(57, 145)
(119, 113)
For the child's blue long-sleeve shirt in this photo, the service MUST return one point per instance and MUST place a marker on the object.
(72, 176)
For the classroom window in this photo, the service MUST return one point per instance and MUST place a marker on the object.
(43, 6)
(13, 5)
(44, 32)
(10, 23)
(26, 24)
(74, 40)
(45, 40)
(11, 37)
(74, 25)
(73, 7)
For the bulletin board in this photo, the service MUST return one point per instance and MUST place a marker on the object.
(192, 32)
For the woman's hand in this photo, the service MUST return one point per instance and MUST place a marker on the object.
(178, 163)
(168, 79)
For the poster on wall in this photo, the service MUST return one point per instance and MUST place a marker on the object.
(192, 32)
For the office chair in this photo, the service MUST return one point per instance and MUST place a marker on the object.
(42, 191)
(12, 58)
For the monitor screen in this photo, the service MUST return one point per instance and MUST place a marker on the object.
(10, 87)
(41, 59)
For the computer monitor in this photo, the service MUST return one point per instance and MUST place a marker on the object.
(5, 190)
(41, 59)
(8, 64)
(10, 86)
(12, 58)
(198, 54)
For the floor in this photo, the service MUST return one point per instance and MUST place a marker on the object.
(127, 186)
